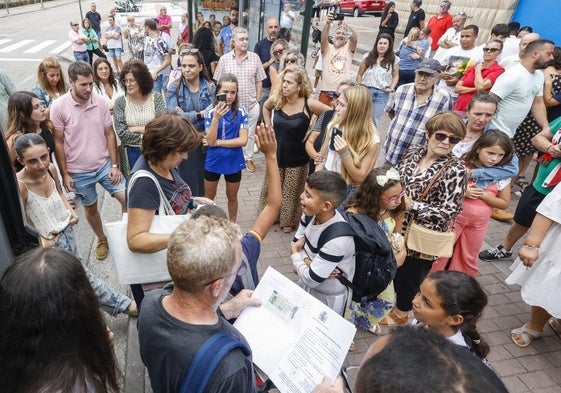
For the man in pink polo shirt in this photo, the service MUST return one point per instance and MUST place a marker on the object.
(86, 147)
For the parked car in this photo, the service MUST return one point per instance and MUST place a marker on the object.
(15, 236)
(358, 8)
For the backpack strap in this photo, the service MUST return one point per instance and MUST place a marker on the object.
(206, 361)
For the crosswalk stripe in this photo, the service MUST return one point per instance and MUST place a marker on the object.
(60, 48)
(38, 47)
(15, 46)
(5, 40)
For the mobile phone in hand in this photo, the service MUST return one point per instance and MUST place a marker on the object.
(221, 97)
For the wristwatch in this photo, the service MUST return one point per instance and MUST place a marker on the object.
(199, 116)
(114, 165)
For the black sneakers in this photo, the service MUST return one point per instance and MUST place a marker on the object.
(495, 253)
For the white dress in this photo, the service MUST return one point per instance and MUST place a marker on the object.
(540, 284)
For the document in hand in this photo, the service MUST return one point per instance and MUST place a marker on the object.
(295, 339)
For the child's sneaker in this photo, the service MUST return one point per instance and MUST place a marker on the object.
(495, 253)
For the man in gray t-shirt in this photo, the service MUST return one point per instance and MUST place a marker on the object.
(204, 257)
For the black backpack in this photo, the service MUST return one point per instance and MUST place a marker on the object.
(374, 260)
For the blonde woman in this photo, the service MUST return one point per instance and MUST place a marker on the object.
(289, 110)
(410, 56)
(351, 141)
(50, 82)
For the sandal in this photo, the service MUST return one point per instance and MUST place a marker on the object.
(375, 330)
(555, 325)
(525, 335)
(392, 320)
(287, 229)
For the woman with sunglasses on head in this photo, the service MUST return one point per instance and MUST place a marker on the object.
(435, 182)
(278, 49)
(134, 110)
(289, 110)
(479, 77)
(189, 96)
(290, 57)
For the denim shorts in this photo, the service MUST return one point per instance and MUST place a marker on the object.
(84, 184)
(115, 52)
(160, 83)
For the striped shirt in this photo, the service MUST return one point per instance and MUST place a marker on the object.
(407, 128)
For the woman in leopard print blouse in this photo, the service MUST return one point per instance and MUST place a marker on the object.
(440, 206)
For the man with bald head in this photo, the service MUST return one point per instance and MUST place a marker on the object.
(512, 60)
(451, 38)
(263, 50)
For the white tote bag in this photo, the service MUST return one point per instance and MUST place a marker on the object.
(140, 268)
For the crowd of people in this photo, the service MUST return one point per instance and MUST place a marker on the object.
(465, 121)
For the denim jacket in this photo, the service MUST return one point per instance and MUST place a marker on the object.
(485, 176)
(182, 99)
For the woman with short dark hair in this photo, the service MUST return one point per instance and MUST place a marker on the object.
(167, 141)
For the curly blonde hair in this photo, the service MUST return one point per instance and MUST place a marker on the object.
(301, 78)
(359, 129)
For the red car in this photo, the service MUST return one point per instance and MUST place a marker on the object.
(358, 8)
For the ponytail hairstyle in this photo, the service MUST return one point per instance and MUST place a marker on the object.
(487, 139)
(25, 141)
(462, 295)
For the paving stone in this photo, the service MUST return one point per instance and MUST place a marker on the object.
(514, 384)
(537, 380)
(508, 367)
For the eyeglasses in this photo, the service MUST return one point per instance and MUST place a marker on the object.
(454, 140)
(188, 51)
(290, 60)
(278, 52)
(461, 13)
(491, 50)
(129, 81)
(395, 197)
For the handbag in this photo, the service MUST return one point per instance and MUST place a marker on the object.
(428, 241)
(135, 267)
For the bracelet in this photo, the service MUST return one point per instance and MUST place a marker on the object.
(217, 144)
(345, 154)
(529, 246)
(531, 243)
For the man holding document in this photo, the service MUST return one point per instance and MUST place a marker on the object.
(204, 259)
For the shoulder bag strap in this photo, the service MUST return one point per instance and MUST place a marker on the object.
(164, 203)
(206, 361)
(434, 179)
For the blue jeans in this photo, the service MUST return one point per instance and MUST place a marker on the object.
(379, 102)
(82, 56)
(110, 301)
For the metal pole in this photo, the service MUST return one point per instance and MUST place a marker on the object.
(7, 6)
(306, 28)
(42, 5)
(81, 12)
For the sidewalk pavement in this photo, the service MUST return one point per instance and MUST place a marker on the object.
(536, 368)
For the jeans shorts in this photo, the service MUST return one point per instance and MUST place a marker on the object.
(115, 52)
(160, 83)
(84, 184)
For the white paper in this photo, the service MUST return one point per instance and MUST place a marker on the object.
(295, 339)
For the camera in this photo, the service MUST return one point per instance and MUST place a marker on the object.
(338, 17)
(221, 97)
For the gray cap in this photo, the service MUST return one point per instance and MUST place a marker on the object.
(430, 66)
